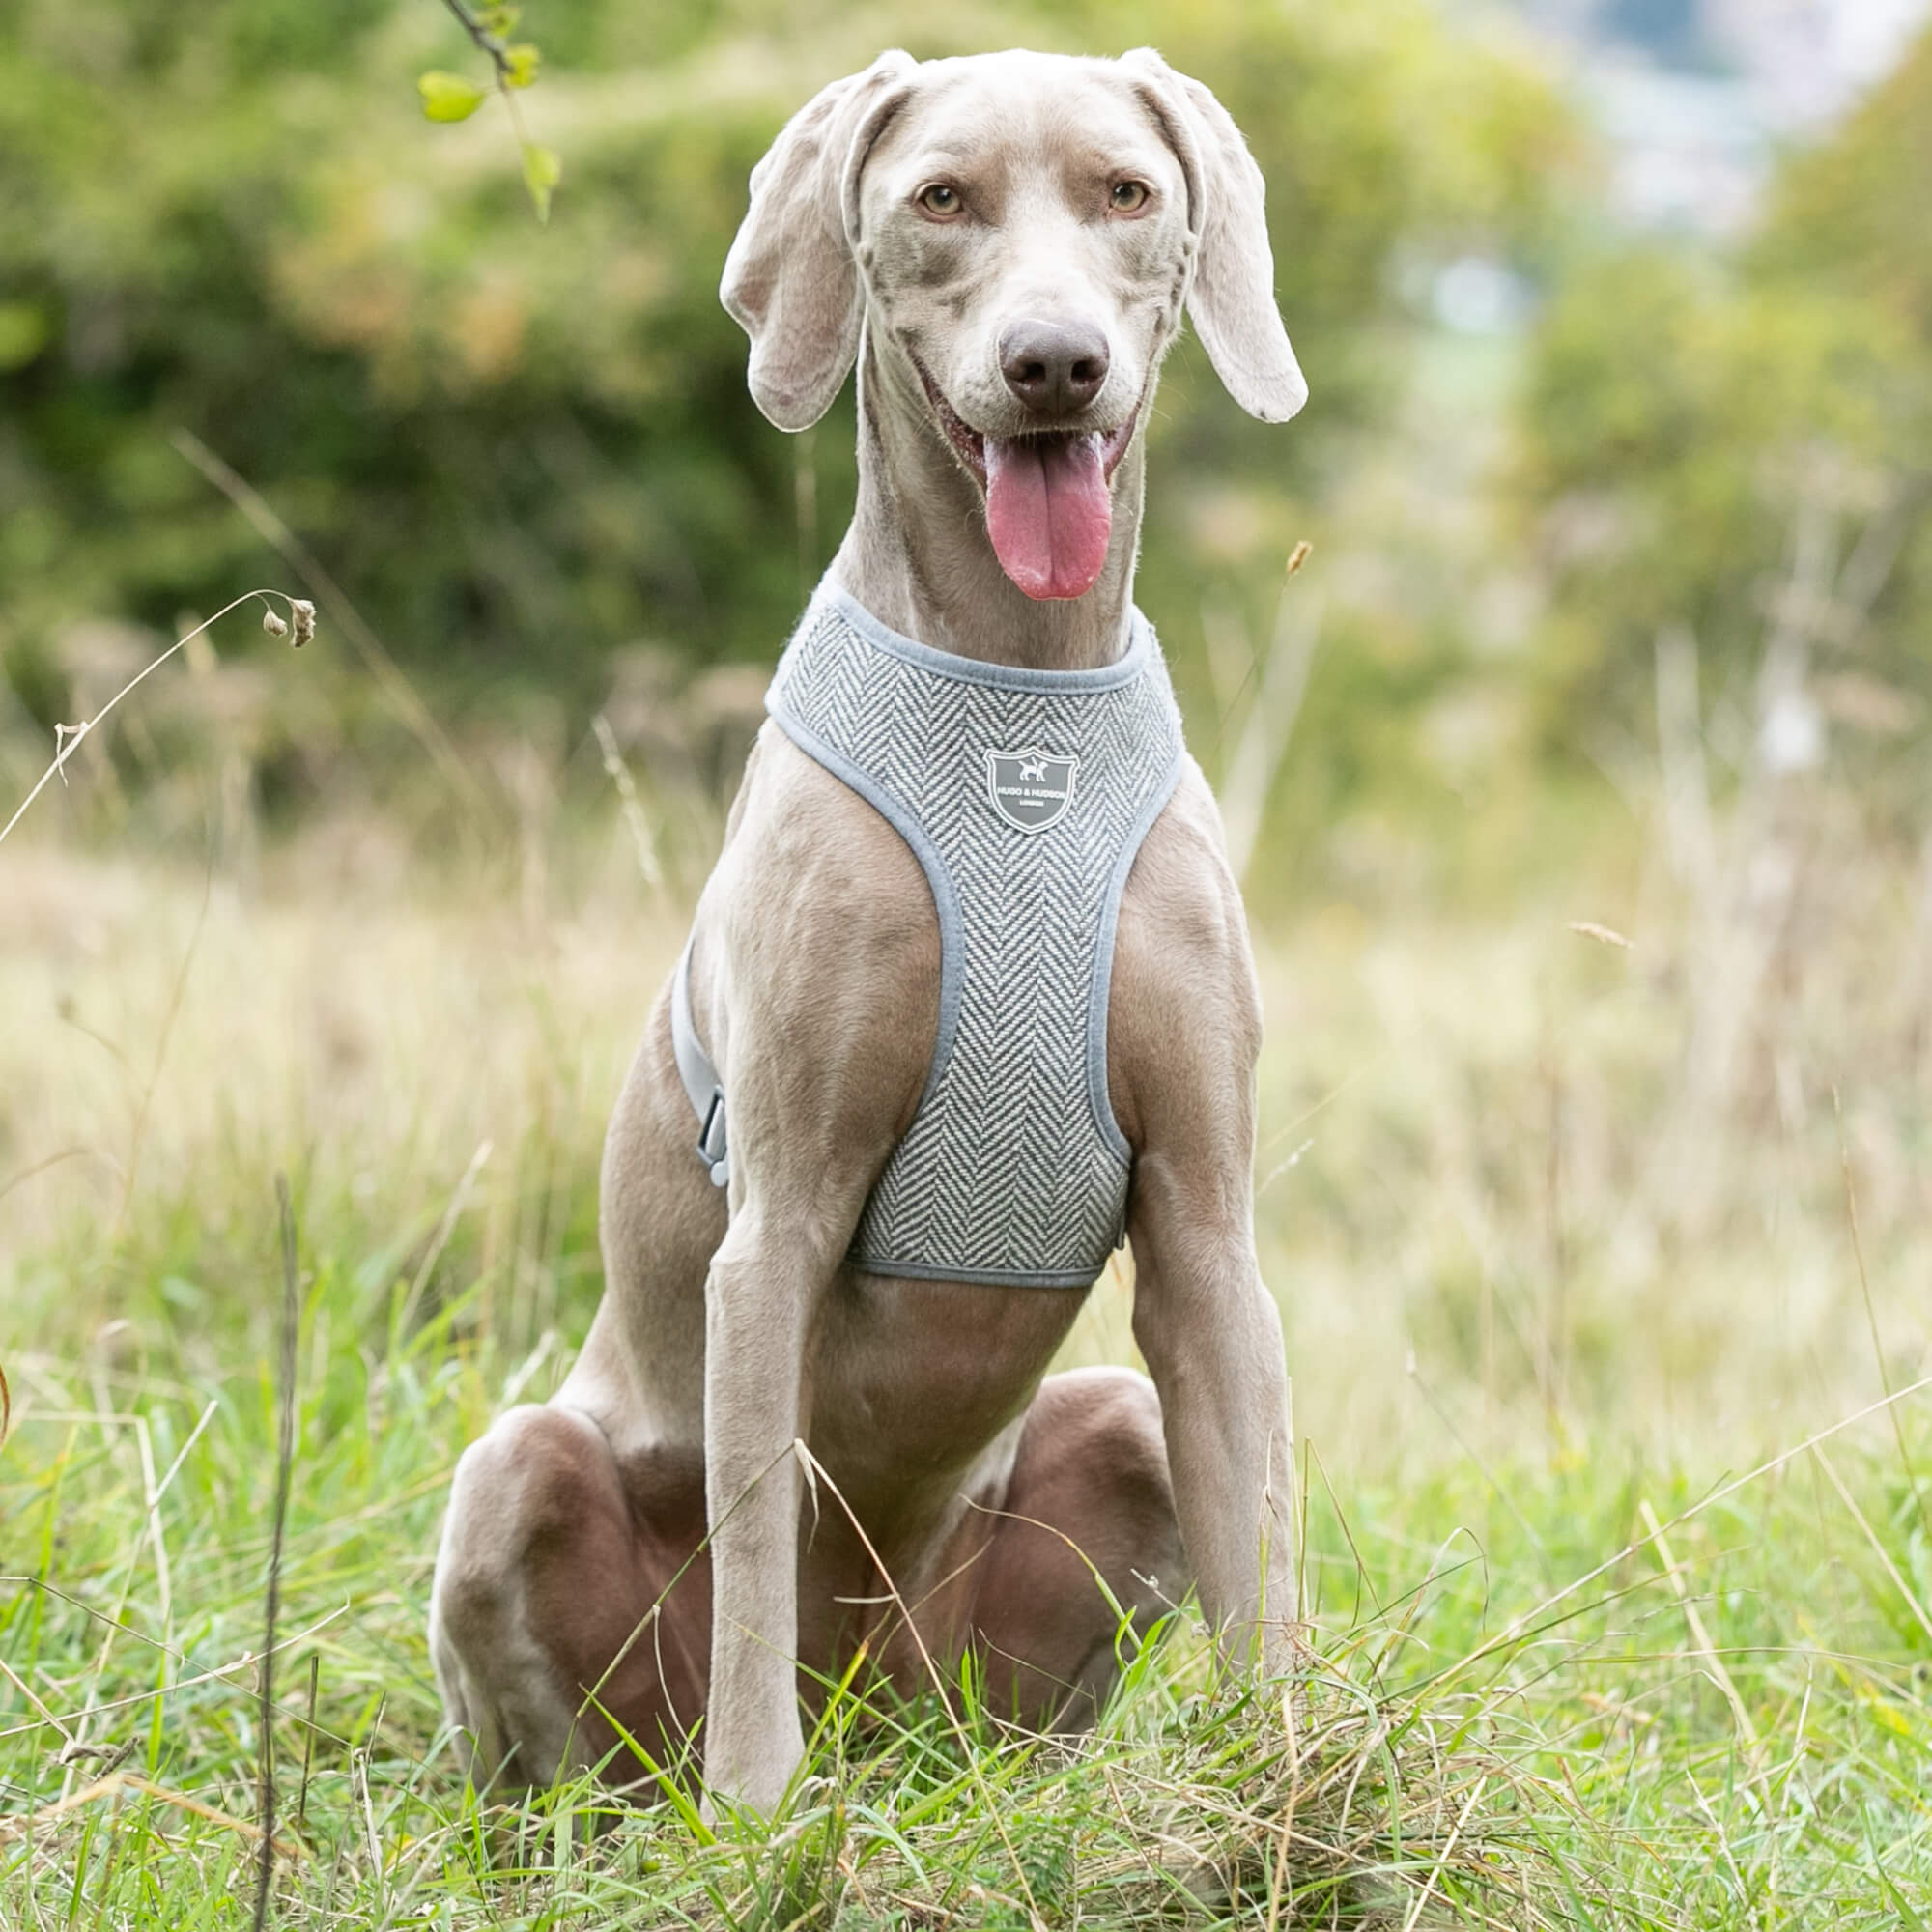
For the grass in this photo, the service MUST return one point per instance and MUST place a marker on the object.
(1727, 1727)
(1616, 1625)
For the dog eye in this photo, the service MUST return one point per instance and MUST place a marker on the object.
(939, 199)
(1130, 197)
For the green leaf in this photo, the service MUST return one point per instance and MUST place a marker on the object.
(523, 59)
(542, 171)
(23, 333)
(501, 20)
(449, 97)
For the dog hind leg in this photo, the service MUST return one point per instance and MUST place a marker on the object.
(1089, 1487)
(569, 1586)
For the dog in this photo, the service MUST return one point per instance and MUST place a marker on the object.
(770, 1453)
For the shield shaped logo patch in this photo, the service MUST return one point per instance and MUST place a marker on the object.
(1030, 789)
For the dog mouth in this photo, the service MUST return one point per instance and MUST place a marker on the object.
(1049, 507)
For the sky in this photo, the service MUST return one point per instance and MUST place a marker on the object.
(1696, 98)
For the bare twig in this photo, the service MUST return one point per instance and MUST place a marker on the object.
(487, 43)
(509, 79)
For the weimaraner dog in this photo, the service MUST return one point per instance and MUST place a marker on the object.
(766, 1454)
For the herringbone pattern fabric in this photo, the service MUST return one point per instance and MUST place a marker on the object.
(1012, 1169)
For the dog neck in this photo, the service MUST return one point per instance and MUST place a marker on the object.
(918, 559)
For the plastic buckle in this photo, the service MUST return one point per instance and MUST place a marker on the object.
(711, 1144)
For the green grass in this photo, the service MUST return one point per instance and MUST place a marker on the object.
(1524, 1340)
(1740, 1737)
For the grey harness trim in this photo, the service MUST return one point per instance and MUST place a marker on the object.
(1025, 796)
(701, 1084)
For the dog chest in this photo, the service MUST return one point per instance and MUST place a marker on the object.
(1024, 795)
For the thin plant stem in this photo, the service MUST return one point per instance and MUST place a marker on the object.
(70, 736)
(284, 1459)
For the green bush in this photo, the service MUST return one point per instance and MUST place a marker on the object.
(1684, 416)
(519, 447)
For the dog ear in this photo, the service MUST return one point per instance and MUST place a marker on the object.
(790, 281)
(1231, 296)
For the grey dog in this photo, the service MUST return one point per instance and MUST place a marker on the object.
(1005, 245)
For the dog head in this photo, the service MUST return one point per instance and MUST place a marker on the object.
(1019, 234)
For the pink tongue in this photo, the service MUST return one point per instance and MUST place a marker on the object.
(1048, 512)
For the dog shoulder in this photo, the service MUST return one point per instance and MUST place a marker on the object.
(823, 912)
(1186, 1007)
(805, 851)
(1181, 898)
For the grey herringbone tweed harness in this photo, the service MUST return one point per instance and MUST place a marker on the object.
(1024, 795)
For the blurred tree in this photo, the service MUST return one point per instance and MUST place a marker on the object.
(520, 448)
(1683, 420)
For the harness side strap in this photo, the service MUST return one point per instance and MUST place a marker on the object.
(700, 1076)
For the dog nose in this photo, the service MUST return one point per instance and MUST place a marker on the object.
(1053, 367)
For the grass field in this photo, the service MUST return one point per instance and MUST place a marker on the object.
(1598, 1263)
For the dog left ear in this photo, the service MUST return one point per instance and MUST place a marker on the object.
(790, 281)
(1231, 300)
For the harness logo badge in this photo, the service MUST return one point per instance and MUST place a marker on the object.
(1030, 789)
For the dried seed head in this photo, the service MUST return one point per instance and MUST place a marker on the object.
(1604, 935)
(275, 624)
(303, 612)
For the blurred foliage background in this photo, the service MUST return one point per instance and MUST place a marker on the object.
(1619, 613)
(526, 455)
(1579, 781)
(1692, 430)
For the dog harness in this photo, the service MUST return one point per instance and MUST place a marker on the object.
(1024, 795)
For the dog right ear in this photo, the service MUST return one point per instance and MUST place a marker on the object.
(1231, 296)
(790, 281)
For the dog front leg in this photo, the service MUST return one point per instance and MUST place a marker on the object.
(1211, 1336)
(761, 1300)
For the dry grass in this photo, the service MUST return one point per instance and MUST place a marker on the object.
(1562, 1231)
(1494, 1158)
